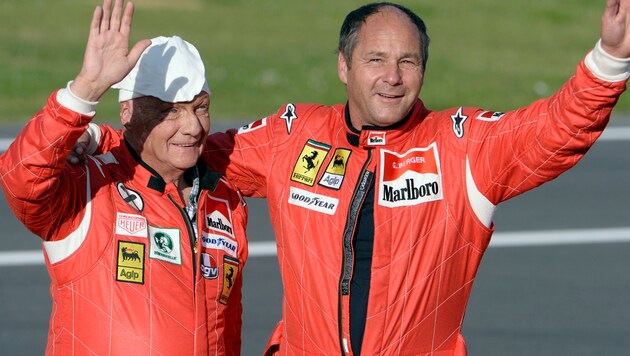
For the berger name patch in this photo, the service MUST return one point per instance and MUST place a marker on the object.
(411, 178)
(309, 162)
(130, 262)
(312, 201)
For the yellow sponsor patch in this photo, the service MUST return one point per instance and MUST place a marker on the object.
(230, 272)
(336, 170)
(130, 262)
(309, 162)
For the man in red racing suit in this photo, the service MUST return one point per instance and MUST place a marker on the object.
(380, 229)
(401, 215)
(137, 266)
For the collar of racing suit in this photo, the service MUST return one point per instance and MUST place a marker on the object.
(208, 179)
(372, 136)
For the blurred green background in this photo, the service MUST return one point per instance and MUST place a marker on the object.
(261, 54)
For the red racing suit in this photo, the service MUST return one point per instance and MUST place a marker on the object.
(128, 274)
(437, 177)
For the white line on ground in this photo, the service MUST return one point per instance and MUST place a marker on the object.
(499, 239)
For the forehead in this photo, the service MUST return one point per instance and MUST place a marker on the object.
(389, 27)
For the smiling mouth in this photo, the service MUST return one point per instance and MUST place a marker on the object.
(390, 96)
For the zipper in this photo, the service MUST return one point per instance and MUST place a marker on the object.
(358, 197)
(191, 237)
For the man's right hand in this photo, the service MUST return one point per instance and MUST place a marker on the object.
(107, 57)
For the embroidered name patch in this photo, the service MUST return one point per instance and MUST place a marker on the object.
(410, 178)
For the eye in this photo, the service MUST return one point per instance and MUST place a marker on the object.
(203, 109)
(408, 64)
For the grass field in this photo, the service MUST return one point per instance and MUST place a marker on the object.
(260, 54)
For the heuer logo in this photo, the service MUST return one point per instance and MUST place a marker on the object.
(411, 178)
(309, 162)
(376, 138)
(220, 219)
(131, 225)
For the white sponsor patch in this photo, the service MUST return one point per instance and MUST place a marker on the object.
(312, 201)
(490, 116)
(219, 242)
(131, 225)
(410, 178)
(376, 138)
(165, 245)
(220, 220)
(253, 126)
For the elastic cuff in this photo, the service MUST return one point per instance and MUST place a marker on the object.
(95, 138)
(67, 98)
(606, 67)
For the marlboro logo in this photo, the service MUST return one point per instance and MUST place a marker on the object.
(410, 178)
(376, 138)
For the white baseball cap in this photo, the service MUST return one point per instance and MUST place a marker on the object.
(170, 69)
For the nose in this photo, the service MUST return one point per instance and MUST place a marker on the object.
(392, 74)
(195, 125)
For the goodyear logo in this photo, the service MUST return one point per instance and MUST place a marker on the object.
(230, 272)
(309, 162)
(130, 262)
(336, 170)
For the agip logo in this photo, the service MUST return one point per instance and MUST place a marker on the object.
(130, 262)
(410, 178)
(336, 169)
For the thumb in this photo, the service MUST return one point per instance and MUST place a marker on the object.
(136, 51)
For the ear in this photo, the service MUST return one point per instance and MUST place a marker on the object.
(342, 68)
(126, 112)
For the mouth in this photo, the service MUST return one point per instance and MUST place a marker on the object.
(390, 96)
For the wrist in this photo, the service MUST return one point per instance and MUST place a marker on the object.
(607, 67)
(68, 98)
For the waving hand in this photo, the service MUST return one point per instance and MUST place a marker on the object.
(107, 57)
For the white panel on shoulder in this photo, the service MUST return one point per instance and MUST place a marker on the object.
(57, 251)
(482, 207)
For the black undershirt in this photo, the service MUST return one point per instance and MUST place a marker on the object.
(363, 244)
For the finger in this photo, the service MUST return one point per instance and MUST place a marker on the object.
(107, 13)
(125, 28)
(115, 19)
(96, 21)
(136, 51)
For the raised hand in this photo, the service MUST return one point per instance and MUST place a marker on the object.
(616, 28)
(107, 57)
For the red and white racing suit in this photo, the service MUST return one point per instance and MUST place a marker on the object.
(129, 276)
(436, 179)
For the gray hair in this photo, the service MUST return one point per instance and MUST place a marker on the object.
(356, 18)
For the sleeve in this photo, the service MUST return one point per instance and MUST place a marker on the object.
(43, 191)
(244, 155)
(510, 153)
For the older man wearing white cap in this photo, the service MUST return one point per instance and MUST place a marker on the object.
(144, 245)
